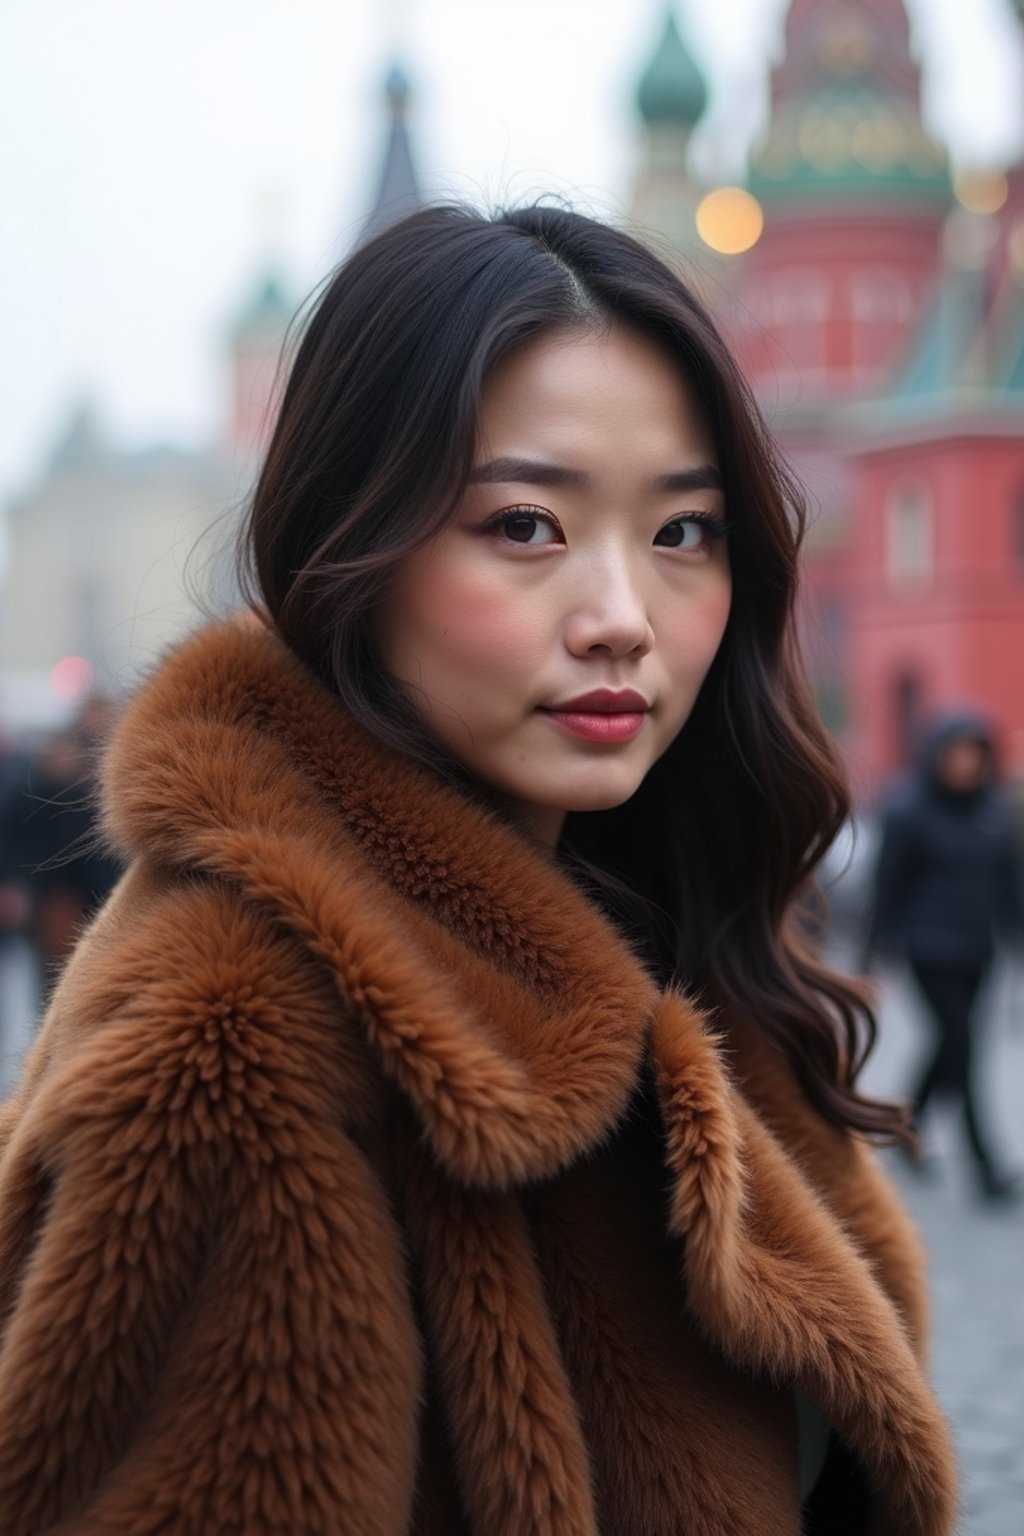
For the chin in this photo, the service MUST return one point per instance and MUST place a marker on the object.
(593, 797)
(603, 802)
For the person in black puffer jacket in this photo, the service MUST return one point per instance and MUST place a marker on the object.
(947, 886)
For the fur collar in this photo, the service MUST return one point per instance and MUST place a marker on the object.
(506, 1009)
(500, 1002)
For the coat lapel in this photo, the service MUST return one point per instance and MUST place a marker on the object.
(775, 1279)
(522, 1460)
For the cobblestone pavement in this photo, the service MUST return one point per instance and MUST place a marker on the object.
(976, 1250)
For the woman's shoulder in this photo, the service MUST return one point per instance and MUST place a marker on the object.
(185, 999)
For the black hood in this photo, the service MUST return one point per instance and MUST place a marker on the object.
(953, 725)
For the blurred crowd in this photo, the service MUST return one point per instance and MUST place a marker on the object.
(54, 869)
(930, 879)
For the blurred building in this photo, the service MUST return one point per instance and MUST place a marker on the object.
(877, 303)
(97, 551)
(110, 550)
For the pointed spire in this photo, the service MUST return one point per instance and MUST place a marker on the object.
(950, 352)
(398, 191)
(672, 88)
(1013, 380)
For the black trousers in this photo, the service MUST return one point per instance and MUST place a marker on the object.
(950, 994)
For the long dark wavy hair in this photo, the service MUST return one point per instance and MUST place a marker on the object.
(373, 448)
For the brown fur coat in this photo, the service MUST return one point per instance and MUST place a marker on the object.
(320, 1216)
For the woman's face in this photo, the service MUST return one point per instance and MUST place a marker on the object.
(586, 557)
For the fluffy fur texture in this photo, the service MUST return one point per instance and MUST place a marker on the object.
(300, 1189)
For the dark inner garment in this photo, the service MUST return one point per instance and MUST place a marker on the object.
(663, 1412)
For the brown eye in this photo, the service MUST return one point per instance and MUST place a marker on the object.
(691, 533)
(526, 526)
(681, 534)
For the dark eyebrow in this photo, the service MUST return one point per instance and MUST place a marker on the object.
(526, 472)
(704, 477)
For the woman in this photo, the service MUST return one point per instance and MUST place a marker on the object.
(443, 1129)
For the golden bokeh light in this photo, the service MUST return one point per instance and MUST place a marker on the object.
(980, 191)
(729, 220)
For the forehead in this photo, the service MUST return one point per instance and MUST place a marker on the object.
(600, 393)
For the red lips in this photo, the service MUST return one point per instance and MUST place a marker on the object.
(606, 715)
(604, 701)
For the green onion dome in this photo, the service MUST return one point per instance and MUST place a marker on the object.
(672, 88)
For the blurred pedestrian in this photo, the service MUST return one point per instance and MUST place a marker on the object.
(54, 872)
(947, 886)
(13, 895)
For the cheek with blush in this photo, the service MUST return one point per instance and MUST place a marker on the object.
(458, 628)
(693, 630)
(690, 636)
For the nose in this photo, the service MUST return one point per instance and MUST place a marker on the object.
(611, 617)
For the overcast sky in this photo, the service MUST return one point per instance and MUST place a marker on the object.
(156, 154)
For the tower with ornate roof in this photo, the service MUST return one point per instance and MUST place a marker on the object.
(256, 339)
(846, 169)
(671, 98)
(880, 319)
(935, 553)
(258, 335)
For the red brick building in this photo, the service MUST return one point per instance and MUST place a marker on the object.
(884, 329)
(881, 319)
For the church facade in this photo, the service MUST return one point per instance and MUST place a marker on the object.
(880, 318)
